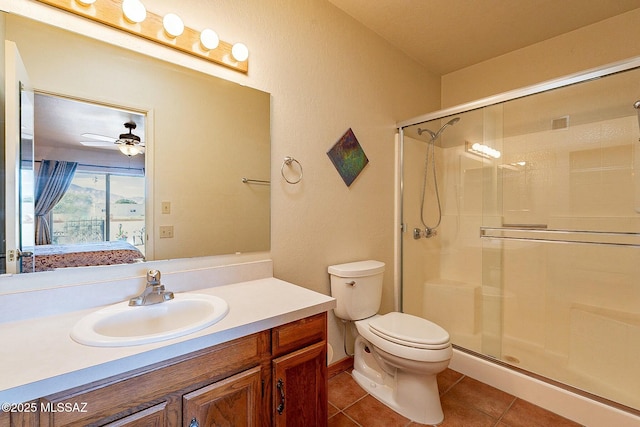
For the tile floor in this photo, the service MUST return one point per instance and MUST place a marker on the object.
(465, 401)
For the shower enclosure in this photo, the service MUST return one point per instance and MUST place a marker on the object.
(536, 260)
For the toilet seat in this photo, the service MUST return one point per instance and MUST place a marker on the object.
(412, 331)
(444, 352)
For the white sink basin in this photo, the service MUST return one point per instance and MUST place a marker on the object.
(121, 325)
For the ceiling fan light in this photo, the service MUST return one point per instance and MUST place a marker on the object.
(130, 149)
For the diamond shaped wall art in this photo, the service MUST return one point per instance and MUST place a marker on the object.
(348, 157)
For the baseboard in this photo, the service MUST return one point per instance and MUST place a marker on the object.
(340, 366)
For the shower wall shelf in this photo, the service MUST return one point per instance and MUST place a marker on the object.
(530, 234)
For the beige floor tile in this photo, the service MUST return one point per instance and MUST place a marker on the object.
(370, 412)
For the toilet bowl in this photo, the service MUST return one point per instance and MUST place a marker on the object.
(397, 356)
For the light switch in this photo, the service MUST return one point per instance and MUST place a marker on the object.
(166, 231)
(166, 207)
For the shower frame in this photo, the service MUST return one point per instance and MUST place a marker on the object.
(402, 227)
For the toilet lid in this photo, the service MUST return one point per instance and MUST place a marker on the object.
(409, 330)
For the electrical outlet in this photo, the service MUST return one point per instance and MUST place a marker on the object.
(166, 231)
(166, 207)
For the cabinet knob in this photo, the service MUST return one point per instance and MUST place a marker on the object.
(280, 387)
(194, 423)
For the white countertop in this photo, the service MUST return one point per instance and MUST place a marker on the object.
(39, 358)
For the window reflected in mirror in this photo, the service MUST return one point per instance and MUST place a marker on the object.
(88, 193)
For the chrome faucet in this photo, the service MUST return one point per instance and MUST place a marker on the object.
(154, 293)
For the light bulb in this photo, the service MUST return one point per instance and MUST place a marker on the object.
(173, 25)
(134, 11)
(240, 52)
(130, 149)
(209, 39)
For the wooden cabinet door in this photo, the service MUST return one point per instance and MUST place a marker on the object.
(156, 416)
(233, 402)
(300, 387)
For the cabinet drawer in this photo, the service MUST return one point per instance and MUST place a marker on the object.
(295, 335)
(105, 400)
(156, 416)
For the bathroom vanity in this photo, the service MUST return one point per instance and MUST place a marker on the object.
(263, 364)
(273, 377)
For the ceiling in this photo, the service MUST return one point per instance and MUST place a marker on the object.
(63, 121)
(447, 35)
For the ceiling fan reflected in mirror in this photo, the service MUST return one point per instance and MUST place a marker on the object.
(128, 143)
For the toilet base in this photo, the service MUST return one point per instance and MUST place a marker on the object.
(412, 395)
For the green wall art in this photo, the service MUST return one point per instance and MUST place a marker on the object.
(348, 157)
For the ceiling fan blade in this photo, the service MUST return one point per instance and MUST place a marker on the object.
(99, 137)
(101, 144)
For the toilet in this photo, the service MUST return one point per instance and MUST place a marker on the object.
(397, 355)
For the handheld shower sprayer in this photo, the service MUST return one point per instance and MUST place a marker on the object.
(430, 231)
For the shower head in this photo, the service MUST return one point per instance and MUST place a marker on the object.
(435, 135)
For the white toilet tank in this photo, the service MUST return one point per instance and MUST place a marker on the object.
(357, 288)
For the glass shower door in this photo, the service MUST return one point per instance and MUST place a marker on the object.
(561, 249)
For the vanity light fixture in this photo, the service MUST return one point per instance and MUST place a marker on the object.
(240, 52)
(209, 39)
(174, 34)
(482, 150)
(134, 11)
(173, 25)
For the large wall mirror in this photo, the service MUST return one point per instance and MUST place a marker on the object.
(184, 195)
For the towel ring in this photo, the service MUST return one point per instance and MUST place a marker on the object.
(288, 161)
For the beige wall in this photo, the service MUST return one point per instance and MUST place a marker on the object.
(602, 43)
